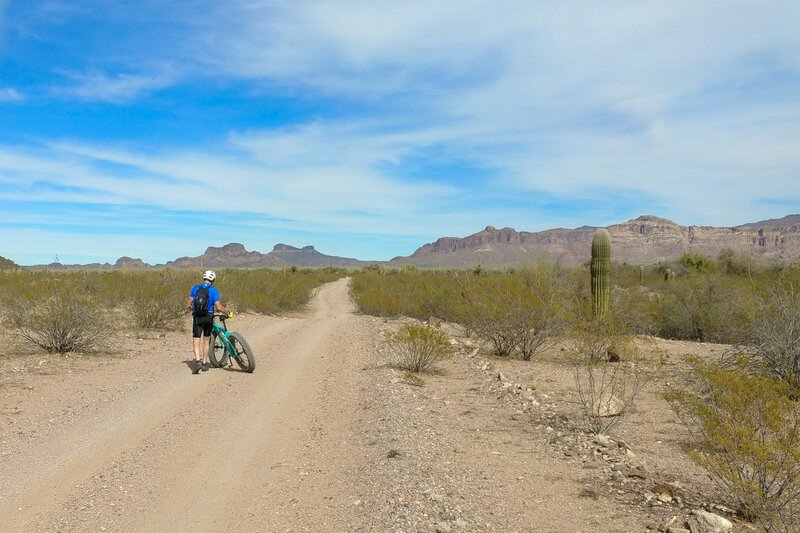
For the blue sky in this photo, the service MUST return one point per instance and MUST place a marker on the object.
(365, 128)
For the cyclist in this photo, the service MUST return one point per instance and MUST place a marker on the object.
(203, 318)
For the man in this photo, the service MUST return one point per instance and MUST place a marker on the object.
(203, 301)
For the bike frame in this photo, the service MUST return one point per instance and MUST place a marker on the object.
(222, 334)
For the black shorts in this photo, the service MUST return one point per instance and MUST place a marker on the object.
(202, 325)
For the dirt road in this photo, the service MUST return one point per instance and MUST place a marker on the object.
(141, 444)
(323, 437)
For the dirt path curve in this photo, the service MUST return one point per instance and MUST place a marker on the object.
(124, 453)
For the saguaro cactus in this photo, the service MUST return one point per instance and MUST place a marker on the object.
(601, 272)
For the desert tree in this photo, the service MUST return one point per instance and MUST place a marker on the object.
(745, 430)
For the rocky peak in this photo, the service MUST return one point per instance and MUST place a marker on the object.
(129, 262)
(233, 248)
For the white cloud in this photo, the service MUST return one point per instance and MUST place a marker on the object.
(9, 94)
(99, 87)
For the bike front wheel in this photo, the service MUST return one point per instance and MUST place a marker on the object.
(244, 354)
(217, 354)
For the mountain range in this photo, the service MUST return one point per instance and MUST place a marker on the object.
(643, 240)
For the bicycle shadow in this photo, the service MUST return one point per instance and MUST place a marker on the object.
(232, 368)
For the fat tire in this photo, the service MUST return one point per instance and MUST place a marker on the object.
(215, 349)
(244, 354)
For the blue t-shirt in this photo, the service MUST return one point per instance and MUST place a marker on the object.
(213, 295)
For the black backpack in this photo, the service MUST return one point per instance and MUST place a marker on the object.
(201, 301)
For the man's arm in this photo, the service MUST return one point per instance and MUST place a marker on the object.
(219, 307)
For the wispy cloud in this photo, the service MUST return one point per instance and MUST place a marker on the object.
(100, 87)
(9, 94)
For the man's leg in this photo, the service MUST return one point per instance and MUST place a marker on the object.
(197, 354)
(206, 348)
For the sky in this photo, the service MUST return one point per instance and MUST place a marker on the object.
(156, 128)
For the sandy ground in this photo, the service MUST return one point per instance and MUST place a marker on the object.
(325, 436)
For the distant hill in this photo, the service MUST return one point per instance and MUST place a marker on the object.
(7, 264)
(644, 240)
(233, 255)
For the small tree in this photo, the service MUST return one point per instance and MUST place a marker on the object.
(746, 432)
(418, 347)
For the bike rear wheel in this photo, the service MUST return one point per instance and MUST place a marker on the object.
(244, 354)
(217, 354)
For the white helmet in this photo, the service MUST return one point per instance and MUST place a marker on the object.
(209, 275)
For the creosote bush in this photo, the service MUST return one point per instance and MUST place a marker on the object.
(417, 347)
(516, 312)
(156, 301)
(746, 433)
(67, 319)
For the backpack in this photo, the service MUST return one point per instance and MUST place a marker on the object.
(201, 301)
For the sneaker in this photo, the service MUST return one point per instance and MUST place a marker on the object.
(197, 367)
(204, 367)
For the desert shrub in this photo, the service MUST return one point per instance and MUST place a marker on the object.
(408, 292)
(772, 337)
(271, 291)
(608, 367)
(516, 312)
(417, 347)
(695, 262)
(156, 300)
(377, 294)
(746, 433)
(65, 319)
(705, 308)
(735, 264)
(637, 307)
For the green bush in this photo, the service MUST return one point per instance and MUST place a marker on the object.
(772, 336)
(271, 291)
(156, 300)
(417, 347)
(746, 433)
(408, 292)
(695, 262)
(65, 319)
(517, 312)
(735, 264)
(706, 308)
